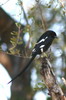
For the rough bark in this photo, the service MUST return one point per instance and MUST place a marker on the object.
(54, 89)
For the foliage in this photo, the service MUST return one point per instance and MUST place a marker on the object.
(16, 40)
(39, 86)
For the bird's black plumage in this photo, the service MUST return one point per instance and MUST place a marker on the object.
(42, 45)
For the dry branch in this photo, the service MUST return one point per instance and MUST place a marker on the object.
(55, 90)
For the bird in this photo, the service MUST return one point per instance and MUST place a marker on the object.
(42, 45)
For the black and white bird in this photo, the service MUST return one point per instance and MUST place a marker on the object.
(41, 46)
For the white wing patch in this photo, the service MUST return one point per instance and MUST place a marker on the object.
(46, 38)
(42, 40)
(41, 50)
(34, 50)
(42, 46)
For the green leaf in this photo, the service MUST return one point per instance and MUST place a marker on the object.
(20, 42)
(18, 25)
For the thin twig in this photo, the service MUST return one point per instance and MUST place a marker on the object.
(25, 16)
(4, 3)
(43, 20)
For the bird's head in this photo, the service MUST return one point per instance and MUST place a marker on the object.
(51, 33)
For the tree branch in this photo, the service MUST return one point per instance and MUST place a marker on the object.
(55, 90)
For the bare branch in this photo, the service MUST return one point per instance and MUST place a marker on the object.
(55, 91)
(41, 13)
(4, 3)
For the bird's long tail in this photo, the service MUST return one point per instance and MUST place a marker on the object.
(23, 69)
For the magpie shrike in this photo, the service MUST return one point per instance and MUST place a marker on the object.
(41, 46)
